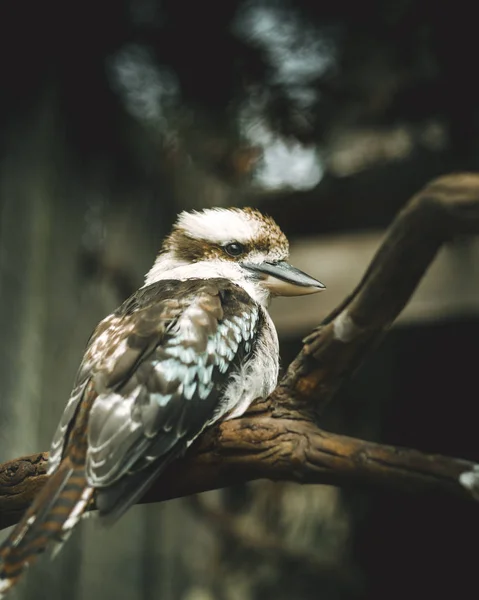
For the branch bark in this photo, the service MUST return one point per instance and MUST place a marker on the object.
(279, 438)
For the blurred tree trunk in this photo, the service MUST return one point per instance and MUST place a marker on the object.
(51, 217)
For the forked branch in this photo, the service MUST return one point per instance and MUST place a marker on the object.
(279, 438)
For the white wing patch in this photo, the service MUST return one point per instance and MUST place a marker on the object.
(131, 429)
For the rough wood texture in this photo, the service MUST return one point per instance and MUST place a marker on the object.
(279, 438)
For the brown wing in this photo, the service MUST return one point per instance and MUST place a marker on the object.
(159, 365)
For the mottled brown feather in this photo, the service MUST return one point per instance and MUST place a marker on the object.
(268, 238)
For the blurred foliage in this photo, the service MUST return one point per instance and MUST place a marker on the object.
(262, 96)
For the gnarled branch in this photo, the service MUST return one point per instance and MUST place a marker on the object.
(278, 438)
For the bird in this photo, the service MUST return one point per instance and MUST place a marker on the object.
(193, 346)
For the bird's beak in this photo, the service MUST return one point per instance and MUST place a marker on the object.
(282, 279)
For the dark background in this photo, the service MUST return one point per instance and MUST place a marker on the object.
(116, 115)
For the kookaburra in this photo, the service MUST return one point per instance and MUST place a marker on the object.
(193, 346)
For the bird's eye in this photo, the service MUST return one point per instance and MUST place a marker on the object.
(234, 249)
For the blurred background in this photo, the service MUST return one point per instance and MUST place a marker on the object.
(115, 115)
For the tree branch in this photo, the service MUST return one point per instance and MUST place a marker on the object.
(278, 438)
(446, 208)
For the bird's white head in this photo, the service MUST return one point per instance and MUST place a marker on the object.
(241, 245)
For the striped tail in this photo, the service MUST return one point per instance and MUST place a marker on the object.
(50, 519)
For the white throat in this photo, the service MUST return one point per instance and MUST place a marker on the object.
(167, 267)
